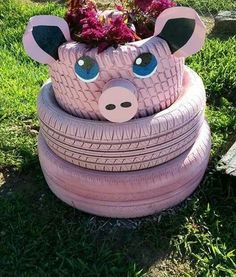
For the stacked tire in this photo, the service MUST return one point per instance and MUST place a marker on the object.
(122, 131)
(129, 169)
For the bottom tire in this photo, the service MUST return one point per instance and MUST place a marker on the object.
(127, 194)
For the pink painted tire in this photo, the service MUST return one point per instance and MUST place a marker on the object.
(154, 94)
(131, 194)
(134, 145)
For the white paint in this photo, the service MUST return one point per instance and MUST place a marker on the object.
(138, 61)
(89, 80)
(146, 76)
(81, 62)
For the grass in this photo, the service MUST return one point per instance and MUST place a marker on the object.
(209, 6)
(41, 236)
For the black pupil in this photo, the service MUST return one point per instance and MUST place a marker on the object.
(126, 104)
(110, 107)
(146, 59)
(88, 63)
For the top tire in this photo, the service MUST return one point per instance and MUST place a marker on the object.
(154, 93)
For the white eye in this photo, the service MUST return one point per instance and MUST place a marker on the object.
(80, 62)
(138, 61)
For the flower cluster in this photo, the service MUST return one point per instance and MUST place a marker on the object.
(77, 10)
(158, 6)
(142, 5)
(131, 20)
(147, 12)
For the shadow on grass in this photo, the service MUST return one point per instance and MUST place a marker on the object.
(86, 233)
(122, 243)
(64, 240)
(215, 33)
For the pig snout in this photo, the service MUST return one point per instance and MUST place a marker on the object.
(118, 102)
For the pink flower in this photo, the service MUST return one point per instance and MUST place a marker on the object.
(119, 8)
(158, 6)
(119, 32)
(77, 10)
(92, 28)
(132, 20)
(142, 4)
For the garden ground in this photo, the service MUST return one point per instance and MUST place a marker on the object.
(41, 236)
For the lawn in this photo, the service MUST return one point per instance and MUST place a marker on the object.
(41, 236)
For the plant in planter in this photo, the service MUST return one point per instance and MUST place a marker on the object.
(122, 122)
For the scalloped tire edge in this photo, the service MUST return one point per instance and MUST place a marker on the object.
(127, 194)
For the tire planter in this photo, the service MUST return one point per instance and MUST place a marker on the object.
(81, 99)
(135, 145)
(122, 132)
(127, 194)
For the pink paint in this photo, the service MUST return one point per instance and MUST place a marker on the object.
(30, 45)
(196, 42)
(118, 102)
(118, 142)
(133, 145)
(131, 194)
(75, 96)
(154, 93)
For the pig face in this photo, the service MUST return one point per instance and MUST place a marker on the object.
(135, 80)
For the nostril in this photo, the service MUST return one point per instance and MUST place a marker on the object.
(126, 104)
(110, 107)
(118, 101)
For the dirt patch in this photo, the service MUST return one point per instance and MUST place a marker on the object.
(12, 181)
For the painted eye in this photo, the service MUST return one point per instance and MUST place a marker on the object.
(87, 69)
(145, 65)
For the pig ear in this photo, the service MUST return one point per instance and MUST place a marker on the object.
(43, 36)
(182, 29)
